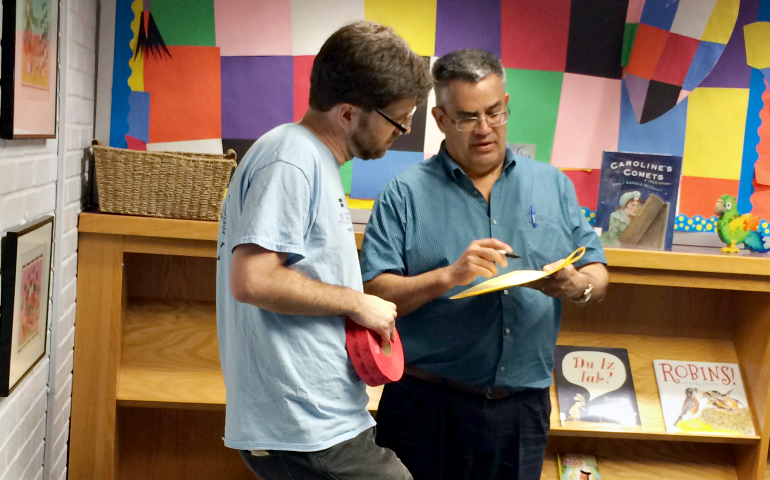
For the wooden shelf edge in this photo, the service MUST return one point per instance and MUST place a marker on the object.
(698, 261)
(655, 436)
(147, 226)
(134, 403)
(705, 260)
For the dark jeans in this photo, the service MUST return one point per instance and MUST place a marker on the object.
(356, 459)
(444, 434)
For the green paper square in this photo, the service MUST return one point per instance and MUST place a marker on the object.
(182, 22)
(346, 175)
(629, 35)
(534, 107)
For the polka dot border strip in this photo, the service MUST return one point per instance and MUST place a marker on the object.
(687, 224)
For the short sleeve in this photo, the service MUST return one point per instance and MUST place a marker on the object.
(582, 232)
(382, 250)
(275, 209)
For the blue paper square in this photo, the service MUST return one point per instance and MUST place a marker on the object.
(660, 13)
(139, 116)
(371, 176)
(706, 56)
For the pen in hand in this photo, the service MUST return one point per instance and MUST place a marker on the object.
(508, 254)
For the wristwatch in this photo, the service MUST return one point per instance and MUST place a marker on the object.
(586, 295)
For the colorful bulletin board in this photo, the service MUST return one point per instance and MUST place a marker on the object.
(655, 76)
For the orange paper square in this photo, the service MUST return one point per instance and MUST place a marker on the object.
(185, 94)
(698, 195)
(648, 46)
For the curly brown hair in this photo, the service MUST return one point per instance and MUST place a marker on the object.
(366, 64)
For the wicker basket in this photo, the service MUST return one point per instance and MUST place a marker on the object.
(162, 184)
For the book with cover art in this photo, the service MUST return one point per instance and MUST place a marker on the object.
(575, 466)
(703, 397)
(595, 385)
(637, 200)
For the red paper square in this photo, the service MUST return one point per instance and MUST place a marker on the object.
(303, 64)
(648, 46)
(535, 34)
(675, 60)
(586, 184)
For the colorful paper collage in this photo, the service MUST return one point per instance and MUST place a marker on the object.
(225, 85)
(756, 161)
(675, 43)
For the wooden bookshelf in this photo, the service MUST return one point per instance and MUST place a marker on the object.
(642, 350)
(147, 376)
(170, 357)
(620, 459)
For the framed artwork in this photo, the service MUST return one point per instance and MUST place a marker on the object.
(26, 272)
(28, 74)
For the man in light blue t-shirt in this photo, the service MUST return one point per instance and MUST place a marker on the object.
(288, 272)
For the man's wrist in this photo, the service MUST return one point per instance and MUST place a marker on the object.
(446, 279)
(585, 294)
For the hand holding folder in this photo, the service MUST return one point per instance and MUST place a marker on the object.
(518, 277)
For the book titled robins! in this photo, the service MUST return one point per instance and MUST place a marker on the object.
(703, 397)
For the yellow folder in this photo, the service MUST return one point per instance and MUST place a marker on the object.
(517, 277)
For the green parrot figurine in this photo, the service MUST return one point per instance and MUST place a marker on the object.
(734, 228)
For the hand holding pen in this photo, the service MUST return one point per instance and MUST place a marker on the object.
(480, 258)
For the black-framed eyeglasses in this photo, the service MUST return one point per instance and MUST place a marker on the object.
(402, 129)
(469, 123)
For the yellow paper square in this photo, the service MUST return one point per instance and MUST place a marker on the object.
(722, 22)
(415, 20)
(136, 81)
(757, 36)
(713, 144)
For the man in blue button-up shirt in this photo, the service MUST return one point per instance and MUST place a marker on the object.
(474, 402)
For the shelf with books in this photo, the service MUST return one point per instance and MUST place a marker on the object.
(642, 350)
(713, 322)
(633, 459)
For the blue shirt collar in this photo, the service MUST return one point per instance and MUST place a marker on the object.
(456, 172)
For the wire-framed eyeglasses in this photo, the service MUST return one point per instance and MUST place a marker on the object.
(402, 129)
(467, 124)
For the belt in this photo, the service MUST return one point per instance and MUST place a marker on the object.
(486, 392)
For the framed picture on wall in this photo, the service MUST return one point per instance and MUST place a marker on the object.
(26, 273)
(28, 73)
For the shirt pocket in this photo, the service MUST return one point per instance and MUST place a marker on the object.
(550, 240)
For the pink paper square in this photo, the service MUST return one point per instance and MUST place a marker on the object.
(588, 122)
(253, 27)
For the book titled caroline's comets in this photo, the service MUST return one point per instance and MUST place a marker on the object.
(637, 200)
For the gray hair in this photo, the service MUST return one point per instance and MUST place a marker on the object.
(471, 65)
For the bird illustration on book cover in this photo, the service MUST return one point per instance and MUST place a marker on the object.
(594, 385)
(703, 397)
(736, 229)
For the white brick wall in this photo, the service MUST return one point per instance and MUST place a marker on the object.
(28, 189)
